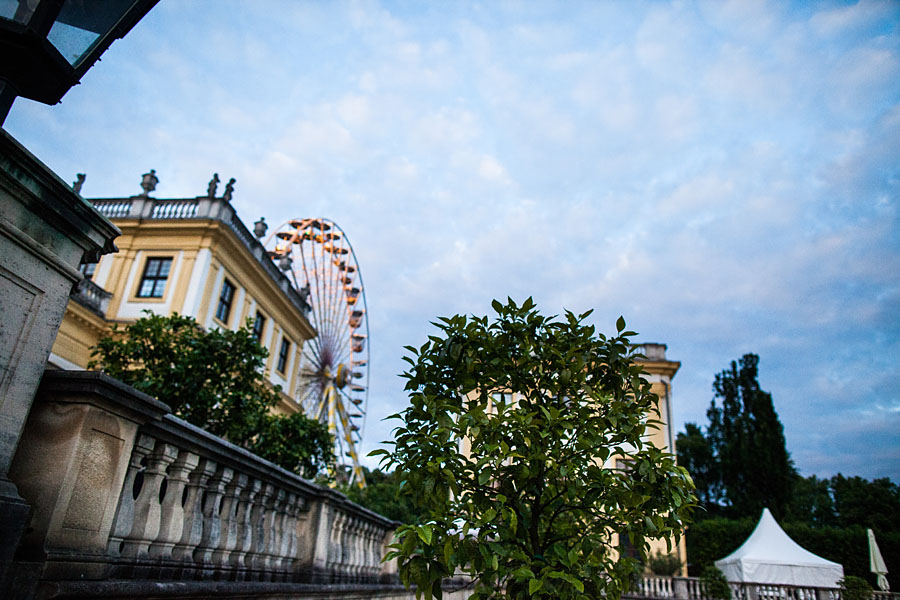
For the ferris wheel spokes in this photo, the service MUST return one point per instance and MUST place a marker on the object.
(333, 385)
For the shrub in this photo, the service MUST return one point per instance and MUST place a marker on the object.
(855, 588)
(715, 583)
(665, 564)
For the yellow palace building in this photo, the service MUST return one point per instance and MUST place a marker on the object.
(193, 256)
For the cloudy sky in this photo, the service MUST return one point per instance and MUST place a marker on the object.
(726, 175)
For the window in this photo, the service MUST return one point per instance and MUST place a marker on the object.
(153, 282)
(283, 355)
(259, 325)
(225, 298)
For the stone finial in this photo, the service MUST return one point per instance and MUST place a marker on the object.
(260, 227)
(149, 181)
(79, 181)
(211, 188)
(229, 190)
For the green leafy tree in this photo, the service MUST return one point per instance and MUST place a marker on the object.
(382, 495)
(297, 443)
(214, 379)
(747, 439)
(533, 508)
(811, 502)
(858, 502)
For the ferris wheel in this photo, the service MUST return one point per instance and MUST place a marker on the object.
(334, 367)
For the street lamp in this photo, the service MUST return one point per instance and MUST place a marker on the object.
(46, 46)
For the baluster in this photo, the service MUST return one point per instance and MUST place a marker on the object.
(125, 512)
(212, 521)
(272, 534)
(347, 554)
(366, 566)
(255, 559)
(288, 523)
(371, 531)
(229, 519)
(147, 510)
(274, 546)
(192, 532)
(334, 547)
(359, 550)
(244, 530)
(352, 540)
(172, 518)
(293, 546)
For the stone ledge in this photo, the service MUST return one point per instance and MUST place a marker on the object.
(94, 387)
(129, 590)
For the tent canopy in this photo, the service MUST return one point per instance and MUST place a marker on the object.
(770, 556)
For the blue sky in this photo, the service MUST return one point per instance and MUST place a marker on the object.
(726, 175)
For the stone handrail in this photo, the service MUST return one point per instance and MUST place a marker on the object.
(133, 493)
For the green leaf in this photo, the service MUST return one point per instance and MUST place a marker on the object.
(534, 585)
(424, 533)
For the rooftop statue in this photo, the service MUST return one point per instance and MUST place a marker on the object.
(213, 184)
(79, 181)
(229, 190)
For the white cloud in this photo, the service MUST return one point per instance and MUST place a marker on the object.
(834, 21)
(491, 170)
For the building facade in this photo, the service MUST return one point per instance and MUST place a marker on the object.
(194, 257)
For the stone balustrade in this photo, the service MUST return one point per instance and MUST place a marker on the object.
(92, 296)
(692, 588)
(122, 491)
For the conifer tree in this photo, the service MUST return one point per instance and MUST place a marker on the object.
(747, 439)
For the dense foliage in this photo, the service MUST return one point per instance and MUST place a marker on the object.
(214, 379)
(382, 495)
(509, 443)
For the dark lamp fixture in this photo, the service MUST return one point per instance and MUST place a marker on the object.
(46, 46)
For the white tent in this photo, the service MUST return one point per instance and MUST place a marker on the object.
(770, 556)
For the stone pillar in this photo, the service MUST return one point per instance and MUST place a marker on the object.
(71, 466)
(46, 231)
